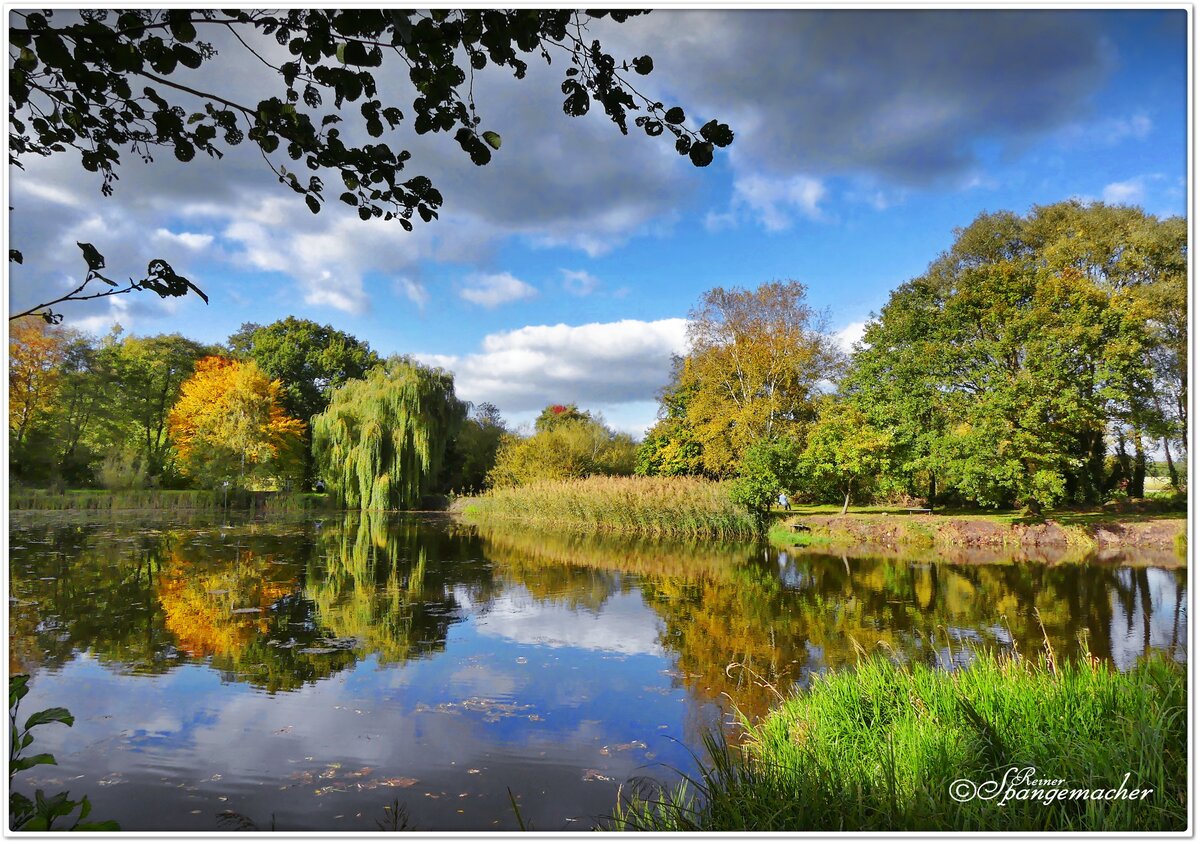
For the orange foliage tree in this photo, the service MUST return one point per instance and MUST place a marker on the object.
(35, 353)
(229, 425)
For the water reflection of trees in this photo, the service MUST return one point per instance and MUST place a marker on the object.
(390, 585)
(278, 605)
(77, 587)
(741, 620)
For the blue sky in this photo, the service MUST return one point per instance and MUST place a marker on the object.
(565, 269)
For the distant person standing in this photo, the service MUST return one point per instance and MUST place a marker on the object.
(784, 501)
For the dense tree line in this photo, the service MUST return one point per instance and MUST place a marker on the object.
(1041, 360)
(1038, 361)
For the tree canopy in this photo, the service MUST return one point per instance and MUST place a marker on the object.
(229, 425)
(755, 360)
(381, 443)
(106, 83)
(1006, 371)
(310, 360)
(568, 443)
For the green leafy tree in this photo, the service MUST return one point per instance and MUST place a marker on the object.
(554, 415)
(310, 360)
(143, 377)
(106, 83)
(670, 448)
(381, 444)
(474, 449)
(768, 468)
(843, 448)
(572, 448)
(1007, 368)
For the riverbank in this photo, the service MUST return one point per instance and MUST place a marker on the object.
(173, 500)
(884, 747)
(1061, 537)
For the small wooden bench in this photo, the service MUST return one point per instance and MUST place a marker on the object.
(913, 510)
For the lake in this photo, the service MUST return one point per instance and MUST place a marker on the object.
(310, 672)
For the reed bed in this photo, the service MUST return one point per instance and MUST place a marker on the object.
(675, 507)
(102, 499)
(880, 748)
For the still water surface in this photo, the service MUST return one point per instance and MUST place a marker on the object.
(316, 671)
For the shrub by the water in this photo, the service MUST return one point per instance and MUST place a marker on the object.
(652, 506)
(882, 746)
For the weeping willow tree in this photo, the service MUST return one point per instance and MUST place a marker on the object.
(381, 442)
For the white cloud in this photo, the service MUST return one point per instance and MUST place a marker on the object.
(599, 366)
(1128, 192)
(414, 291)
(494, 289)
(773, 201)
(580, 282)
(1136, 126)
(849, 335)
(188, 240)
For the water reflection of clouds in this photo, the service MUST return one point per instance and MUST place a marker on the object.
(624, 625)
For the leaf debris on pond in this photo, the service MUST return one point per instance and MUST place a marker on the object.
(592, 775)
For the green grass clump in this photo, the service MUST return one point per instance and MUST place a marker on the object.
(681, 507)
(102, 499)
(300, 502)
(878, 748)
(783, 536)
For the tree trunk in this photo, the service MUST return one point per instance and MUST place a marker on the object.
(1137, 483)
(1123, 470)
(846, 503)
(1172, 472)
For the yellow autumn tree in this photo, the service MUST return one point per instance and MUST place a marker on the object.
(35, 355)
(229, 425)
(753, 371)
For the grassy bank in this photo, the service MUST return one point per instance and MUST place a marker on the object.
(175, 500)
(879, 748)
(681, 507)
(103, 499)
(1066, 533)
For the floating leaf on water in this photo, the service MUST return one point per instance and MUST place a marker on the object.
(631, 745)
(592, 775)
(521, 660)
(400, 782)
(317, 651)
(472, 770)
